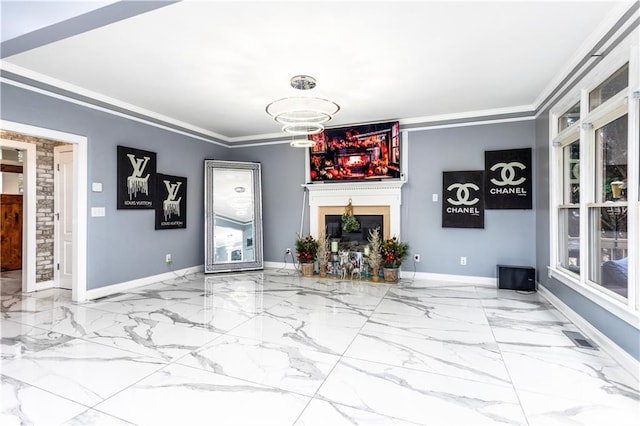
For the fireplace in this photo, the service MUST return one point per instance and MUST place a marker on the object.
(368, 222)
(382, 198)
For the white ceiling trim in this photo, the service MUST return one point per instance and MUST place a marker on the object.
(216, 137)
(468, 115)
(582, 53)
(106, 110)
(41, 78)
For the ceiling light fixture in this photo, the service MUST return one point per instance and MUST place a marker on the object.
(301, 143)
(302, 115)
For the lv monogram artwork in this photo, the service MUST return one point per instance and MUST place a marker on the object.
(140, 187)
(136, 178)
(171, 204)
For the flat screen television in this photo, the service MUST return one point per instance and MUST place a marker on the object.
(356, 153)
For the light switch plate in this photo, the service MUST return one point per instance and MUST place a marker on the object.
(98, 211)
(434, 198)
(96, 186)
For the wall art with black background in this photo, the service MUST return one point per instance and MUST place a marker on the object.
(136, 178)
(463, 199)
(508, 179)
(171, 202)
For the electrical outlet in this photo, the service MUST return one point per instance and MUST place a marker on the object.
(167, 259)
(463, 260)
(287, 251)
(416, 258)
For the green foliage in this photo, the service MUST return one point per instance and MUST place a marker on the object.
(350, 223)
(307, 249)
(393, 252)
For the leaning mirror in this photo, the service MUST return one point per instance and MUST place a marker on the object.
(233, 216)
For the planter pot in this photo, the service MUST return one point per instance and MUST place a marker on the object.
(391, 274)
(307, 269)
(376, 276)
(323, 271)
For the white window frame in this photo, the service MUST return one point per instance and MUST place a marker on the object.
(623, 103)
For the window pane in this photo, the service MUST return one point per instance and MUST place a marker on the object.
(569, 118)
(608, 248)
(612, 160)
(610, 87)
(569, 241)
(571, 173)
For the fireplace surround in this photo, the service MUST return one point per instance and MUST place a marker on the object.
(379, 198)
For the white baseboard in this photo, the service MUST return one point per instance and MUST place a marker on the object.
(97, 293)
(45, 285)
(621, 356)
(449, 279)
(279, 265)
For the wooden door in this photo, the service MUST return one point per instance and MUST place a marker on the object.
(11, 232)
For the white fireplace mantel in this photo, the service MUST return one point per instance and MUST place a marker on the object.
(379, 193)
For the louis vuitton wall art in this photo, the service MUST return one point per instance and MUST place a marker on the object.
(136, 178)
(171, 202)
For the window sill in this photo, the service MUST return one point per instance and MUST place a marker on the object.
(610, 304)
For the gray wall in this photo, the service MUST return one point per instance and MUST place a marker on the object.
(508, 236)
(282, 195)
(124, 245)
(622, 333)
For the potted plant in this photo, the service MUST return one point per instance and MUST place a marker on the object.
(323, 253)
(393, 253)
(307, 250)
(375, 258)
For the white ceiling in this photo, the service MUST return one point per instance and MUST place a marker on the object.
(213, 66)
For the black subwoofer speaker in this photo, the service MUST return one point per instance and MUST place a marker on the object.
(516, 278)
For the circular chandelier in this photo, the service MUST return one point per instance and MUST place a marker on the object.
(302, 115)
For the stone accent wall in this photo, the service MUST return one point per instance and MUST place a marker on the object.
(44, 202)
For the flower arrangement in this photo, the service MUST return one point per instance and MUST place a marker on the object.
(375, 257)
(307, 249)
(393, 252)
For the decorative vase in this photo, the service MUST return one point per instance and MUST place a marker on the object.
(376, 276)
(391, 274)
(307, 269)
(323, 271)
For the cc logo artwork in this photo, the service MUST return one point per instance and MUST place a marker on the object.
(462, 194)
(508, 173)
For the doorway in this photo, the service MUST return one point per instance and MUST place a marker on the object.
(78, 211)
(28, 214)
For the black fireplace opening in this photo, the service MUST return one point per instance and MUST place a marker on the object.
(333, 222)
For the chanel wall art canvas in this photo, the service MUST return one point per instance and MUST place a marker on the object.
(508, 179)
(136, 178)
(463, 199)
(171, 202)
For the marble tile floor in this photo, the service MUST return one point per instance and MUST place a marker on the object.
(273, 348)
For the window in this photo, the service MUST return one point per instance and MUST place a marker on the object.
(569, 118)
(608, 244)
(569, 210)
(590, 181)
(609, 88)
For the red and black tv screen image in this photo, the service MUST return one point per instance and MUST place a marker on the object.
(364, 152)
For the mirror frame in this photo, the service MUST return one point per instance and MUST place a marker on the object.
(210, 266)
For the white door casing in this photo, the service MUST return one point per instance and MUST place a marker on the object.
(63, 221)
